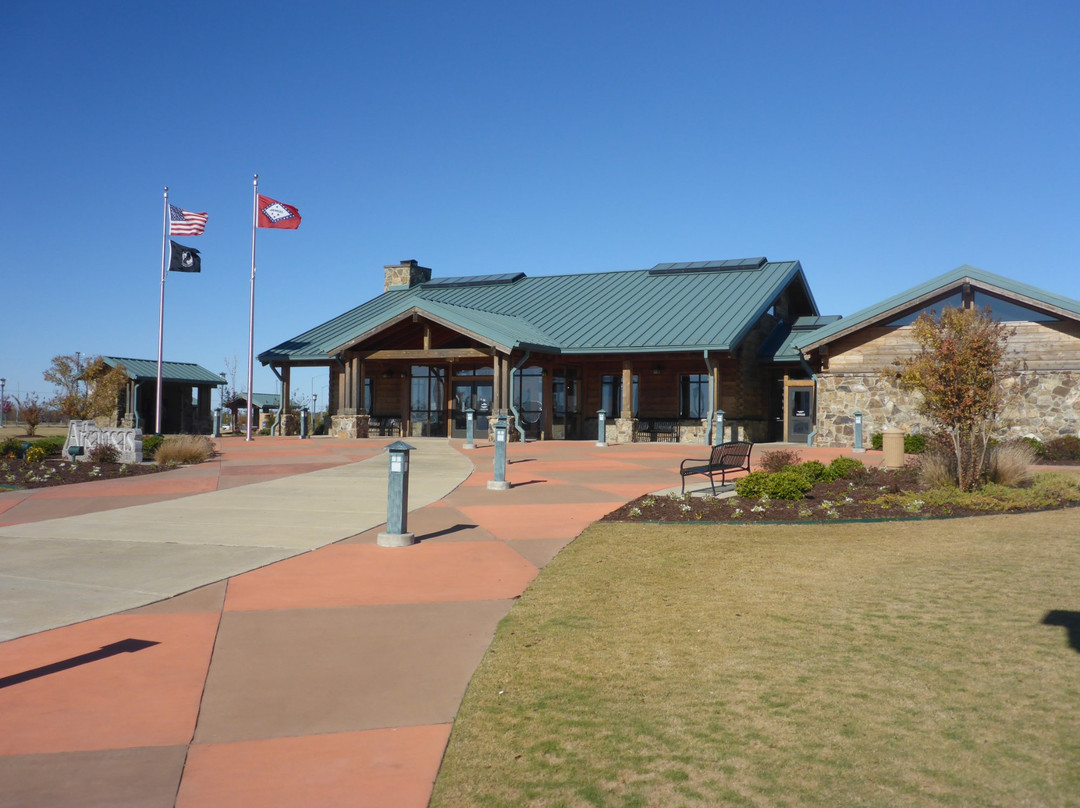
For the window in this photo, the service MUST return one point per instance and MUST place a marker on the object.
(1008, 311)
(694, 396)
(427, 394)
(955, 301)
(529, 394)
(611, 396)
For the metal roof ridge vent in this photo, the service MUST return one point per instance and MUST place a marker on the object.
(499, 279)
(728, 265)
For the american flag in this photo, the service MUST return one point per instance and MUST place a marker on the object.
(186, 223)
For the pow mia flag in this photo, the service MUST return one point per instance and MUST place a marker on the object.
(184, 259)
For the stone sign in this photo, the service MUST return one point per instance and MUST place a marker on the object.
(87, 434)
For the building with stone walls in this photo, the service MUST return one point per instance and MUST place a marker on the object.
(856, 357)
(659, 350)
(186, 396)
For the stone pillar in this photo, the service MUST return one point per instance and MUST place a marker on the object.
(290, 424)
(625, 429)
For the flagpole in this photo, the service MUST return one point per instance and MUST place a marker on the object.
(161, 307)
(251, 307)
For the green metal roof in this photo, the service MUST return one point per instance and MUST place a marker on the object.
(780, 345)
(706, 305)
(142, 369)
(979, 278)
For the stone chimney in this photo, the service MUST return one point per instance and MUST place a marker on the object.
(407, 273)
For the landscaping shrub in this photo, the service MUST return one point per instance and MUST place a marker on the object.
(11, 447)
(1036, 445)
(913, 444)
(778, 460)
(53, 445)
(184, 449)
(788, 484)
(103, 453)
(1010, 463)
(937, 469)
(813, 470)
(35, 454)
(842, 467)
(753, 486)
(150, 445)
(1066, 447)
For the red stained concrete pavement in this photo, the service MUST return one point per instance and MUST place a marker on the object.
(327, 679)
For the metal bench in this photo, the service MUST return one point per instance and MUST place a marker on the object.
(727, 457)
(657, 430)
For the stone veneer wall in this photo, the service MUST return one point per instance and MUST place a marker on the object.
(1044, 404)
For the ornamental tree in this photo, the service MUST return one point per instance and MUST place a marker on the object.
(85, 389)
(958, 369)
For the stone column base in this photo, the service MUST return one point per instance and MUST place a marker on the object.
(624, 430)
(349, 426)
(290, 424)
(511, 433)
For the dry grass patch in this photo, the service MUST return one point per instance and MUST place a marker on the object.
(184, 449)
(896, 664)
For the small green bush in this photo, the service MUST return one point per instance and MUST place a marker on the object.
(913, 444)
(843, 467)
(788, 484)
(11, 447)
(1066, 447)
(104, 453)
(812, 470)
(150, 445)
(753, 486)
(53, 445)
(1036, 445)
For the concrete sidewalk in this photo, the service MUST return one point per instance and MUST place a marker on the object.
(328, 678)
(60, 571)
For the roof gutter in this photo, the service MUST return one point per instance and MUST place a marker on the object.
(513, 409)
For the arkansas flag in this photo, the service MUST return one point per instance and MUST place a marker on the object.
(277, 214)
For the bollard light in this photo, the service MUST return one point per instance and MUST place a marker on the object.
(858, 433)
(718, 431)
(397, 498)
(303, 423)
(217, 422)
(470, 426)
(502, 429)
(601, 431)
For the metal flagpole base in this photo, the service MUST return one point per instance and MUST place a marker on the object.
(396, 539)
(499, 485)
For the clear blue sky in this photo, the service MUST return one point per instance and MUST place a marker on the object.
(879, 143)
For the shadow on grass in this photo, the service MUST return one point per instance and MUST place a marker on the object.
(1068, 620)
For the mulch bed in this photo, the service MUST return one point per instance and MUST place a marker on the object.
(19, 474)
(844, 499)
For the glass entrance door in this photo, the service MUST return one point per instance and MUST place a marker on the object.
(800, 414)
(478, 396)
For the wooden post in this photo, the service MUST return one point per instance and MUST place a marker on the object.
(285, 388)
(627, 390)
(496, 393)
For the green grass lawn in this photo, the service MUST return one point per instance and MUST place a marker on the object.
(894, 664)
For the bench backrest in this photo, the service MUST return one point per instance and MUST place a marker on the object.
(732, 453)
